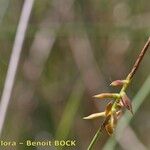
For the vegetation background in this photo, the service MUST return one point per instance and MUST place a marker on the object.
(72, 50)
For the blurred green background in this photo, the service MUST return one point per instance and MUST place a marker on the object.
(73, 49)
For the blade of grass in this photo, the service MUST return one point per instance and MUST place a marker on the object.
(125, 120)
(14, 60)
(3, 9)
(70, 112)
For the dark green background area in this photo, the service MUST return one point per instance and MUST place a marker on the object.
(94, 43)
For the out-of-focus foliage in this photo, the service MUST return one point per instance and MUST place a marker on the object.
(72, 51)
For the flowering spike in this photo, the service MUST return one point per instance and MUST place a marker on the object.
(107, 95)
(114, 110)
(95, 115)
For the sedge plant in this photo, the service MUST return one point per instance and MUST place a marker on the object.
(119, 101)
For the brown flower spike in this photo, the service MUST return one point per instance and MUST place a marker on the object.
(119, 101)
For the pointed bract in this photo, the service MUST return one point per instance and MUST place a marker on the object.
(127, 102)
(113, 119)
(106, 121)
(108, 108)
(109, 129)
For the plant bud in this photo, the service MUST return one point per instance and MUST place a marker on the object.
(118, 82)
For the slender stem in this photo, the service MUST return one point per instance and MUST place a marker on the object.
(95, 138)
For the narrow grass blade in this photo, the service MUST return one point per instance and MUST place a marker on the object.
(70, 112)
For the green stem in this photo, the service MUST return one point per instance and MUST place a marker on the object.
(95, 138)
